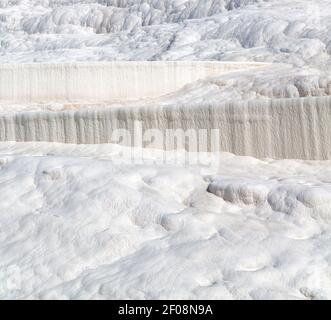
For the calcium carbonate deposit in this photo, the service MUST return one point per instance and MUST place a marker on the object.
(281, 128)
(102, 81)
(85, 216)
(266, 127)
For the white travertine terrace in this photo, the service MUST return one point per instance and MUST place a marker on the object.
(101, 221)
(279, 128)
(104, 81)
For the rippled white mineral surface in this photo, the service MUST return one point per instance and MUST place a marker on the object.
(87, 221)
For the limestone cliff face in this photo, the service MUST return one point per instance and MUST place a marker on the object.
(281, 128)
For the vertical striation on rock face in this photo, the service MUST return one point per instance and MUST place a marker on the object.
(103, 81)
(279, 128)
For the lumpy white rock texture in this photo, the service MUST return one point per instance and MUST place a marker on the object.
(84, 221)
(294, 31)
(103, 221)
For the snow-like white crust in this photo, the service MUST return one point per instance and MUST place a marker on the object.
(292, 31)
(92, 221)
(85, 222)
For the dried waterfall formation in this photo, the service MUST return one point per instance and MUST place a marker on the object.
(280, 128)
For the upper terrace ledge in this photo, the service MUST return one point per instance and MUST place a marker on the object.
(100, 82)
